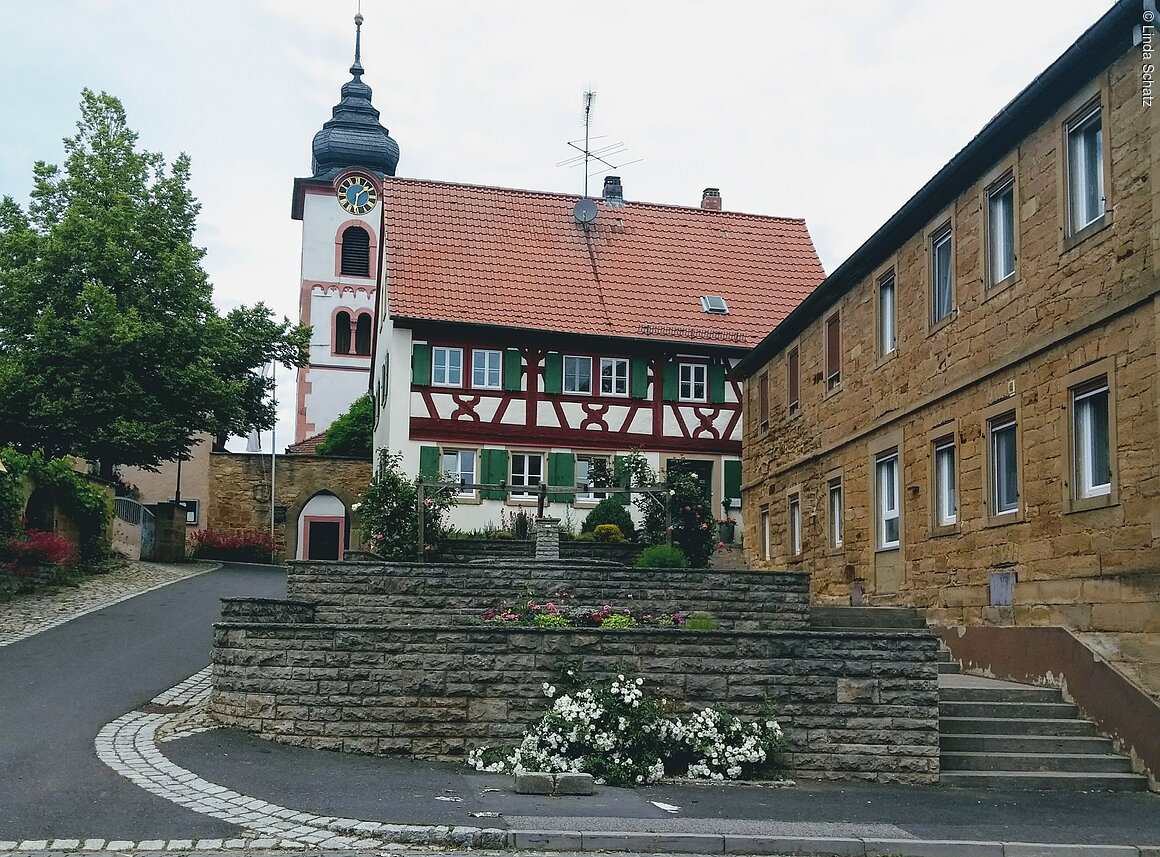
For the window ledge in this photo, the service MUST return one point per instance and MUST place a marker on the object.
(1071, 242)
(1003, 520)
(947, 530)
(1087, 504)
(888, 549)
(934, 328)
(1000, 287)
(832, 391)
(883, 359)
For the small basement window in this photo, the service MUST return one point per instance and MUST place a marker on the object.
(715, 304)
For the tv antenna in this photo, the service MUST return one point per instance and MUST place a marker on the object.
(588, 154)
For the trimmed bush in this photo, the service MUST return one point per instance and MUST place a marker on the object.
(608, 533)
(609, 511)
(248, 546)
(662, 556)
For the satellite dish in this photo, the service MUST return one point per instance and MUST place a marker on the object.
(585, 211)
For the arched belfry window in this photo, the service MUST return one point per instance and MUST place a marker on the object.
(342, 333)
(362, 334)
(356, 252)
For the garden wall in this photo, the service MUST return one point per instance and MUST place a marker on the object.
(398, 593)
(465, 550)
(856, 705)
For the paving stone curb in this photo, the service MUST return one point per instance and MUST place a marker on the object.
(129, 745)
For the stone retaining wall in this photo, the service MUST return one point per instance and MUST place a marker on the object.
(464, 550)
(857, 705)
(395, 593)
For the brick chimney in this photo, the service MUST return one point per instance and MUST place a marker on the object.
(613, 191)
(711, 199)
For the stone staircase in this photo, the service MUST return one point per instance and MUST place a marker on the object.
(1001, 734)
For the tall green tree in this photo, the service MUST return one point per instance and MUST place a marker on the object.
(350, 434)
(110, 345)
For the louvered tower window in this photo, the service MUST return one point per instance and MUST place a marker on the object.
(356, 252)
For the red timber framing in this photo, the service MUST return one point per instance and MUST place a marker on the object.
(581, 420)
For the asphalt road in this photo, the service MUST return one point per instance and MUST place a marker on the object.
(60, 687)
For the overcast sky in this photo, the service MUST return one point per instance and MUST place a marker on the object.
(836, 112)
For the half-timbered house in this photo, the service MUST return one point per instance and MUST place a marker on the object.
(522, 338)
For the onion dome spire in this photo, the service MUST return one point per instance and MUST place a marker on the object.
(354, 137)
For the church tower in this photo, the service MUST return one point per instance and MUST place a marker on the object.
(339, 206)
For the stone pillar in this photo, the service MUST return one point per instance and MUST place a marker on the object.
(168, 532)
(547, 538)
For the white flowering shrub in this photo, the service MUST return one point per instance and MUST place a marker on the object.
(622, 736)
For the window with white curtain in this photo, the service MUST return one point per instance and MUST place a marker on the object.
(887, 327)
(946, 503)
(1004, 465)
(1001, 232)
(886, 505)
(1085, 169)
(1092, 455)
(795, 524)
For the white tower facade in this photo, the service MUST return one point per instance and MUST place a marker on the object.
(341, 213)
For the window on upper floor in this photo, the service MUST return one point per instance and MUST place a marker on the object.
(1085, 169)
(577, 374)
(356, 252)
(1000, 231)
(941, 279)
(792, 381)
(613, 376)
(362, 334)
(692, 377)
(763, 402)
(486, 368)
(833, 353)
(447, 367)
(342, 333)
(887, 325)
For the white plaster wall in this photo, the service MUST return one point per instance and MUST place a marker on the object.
(321, 217)
(331, 393)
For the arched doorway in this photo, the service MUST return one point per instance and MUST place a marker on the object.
(322, 528)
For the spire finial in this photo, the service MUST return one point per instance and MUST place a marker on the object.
(357, 68)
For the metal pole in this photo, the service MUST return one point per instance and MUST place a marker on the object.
(273, 444)
(177, 490)
(422, 518)
(668, 514)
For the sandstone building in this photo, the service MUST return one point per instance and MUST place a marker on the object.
(964, 415)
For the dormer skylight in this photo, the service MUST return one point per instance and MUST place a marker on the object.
(714, 304)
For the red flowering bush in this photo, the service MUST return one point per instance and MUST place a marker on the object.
(36, 548)
(247, 546)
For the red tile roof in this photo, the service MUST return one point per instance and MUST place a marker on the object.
(517, 258)
(306, 446)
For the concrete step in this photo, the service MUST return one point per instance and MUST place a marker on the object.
(974, 742)
(1014, 726)
(948, 668)
(865, 618)
(1008, 710)
(1010, 762)
(1053, 780)
(1018, 693)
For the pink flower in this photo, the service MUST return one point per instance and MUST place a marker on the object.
(720, 545)
(704, 526)
(427, 502)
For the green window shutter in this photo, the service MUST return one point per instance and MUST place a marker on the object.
(429, 462)
(421, 365)
(511, 369)
(732, 480)
(554, 373)
(494, 467)
(671, 388)
(617, 467)
(716, 383)
(562, 471)
(638, 385)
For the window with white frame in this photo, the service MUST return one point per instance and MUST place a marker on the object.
(613, 376)
(447, 366)
(1092, 439)
(833, 347)
(589, 469)
(1004, 449)
(887, 327)
(486, 367)
(527, 471)
(795, 524)
(1085, 169)
(459, 466)
(577, 374)
(834, 510)
(946, 500)
(886, 501)
(941, 294)
(692, 378)
(765, 546)
(1001, 231)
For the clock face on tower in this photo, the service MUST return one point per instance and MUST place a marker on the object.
(356, 194)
